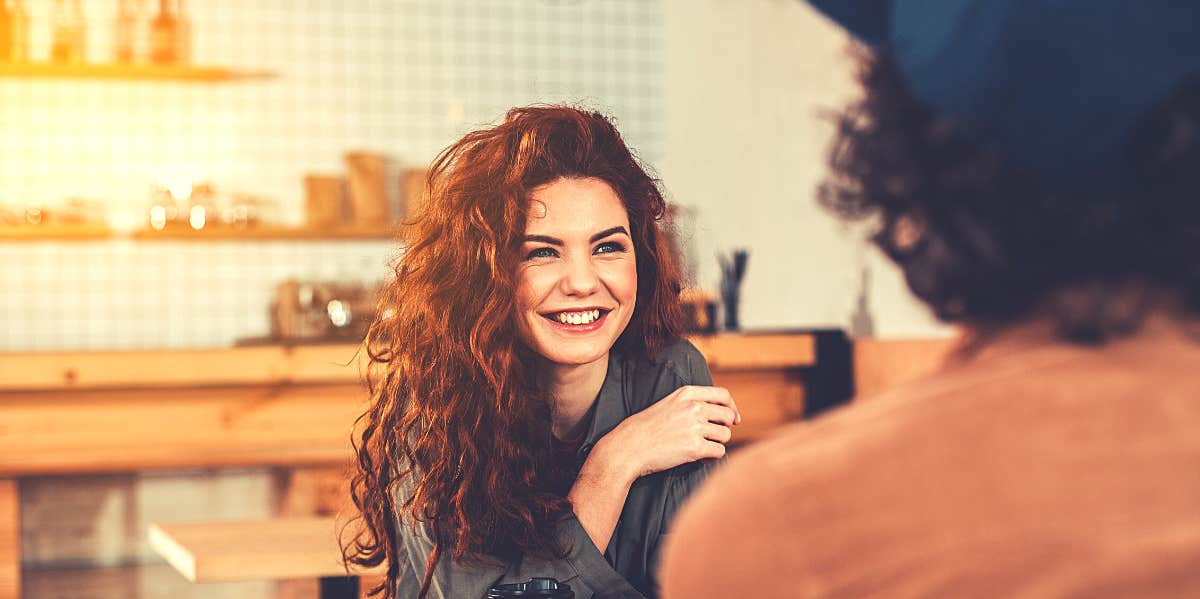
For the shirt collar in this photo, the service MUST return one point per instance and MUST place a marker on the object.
(610, 403)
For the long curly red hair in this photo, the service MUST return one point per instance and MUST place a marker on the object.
(456, 406)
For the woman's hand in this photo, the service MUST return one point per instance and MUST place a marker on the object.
(690, 424)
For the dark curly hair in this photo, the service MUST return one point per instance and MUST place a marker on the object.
(456, 409)
(982, 242)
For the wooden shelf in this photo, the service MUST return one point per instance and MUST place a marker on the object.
(55, 232)
(132, 72)
(261, 233)
(267, 232)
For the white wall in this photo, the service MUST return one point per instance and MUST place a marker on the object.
(403, 78)
(745, 85)
(723, 97)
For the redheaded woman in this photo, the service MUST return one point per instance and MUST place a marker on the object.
(535, 411)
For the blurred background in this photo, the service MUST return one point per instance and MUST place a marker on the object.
(217, 173)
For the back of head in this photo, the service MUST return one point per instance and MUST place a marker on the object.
(1028, 159)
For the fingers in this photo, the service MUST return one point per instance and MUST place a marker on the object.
(712, 395)
(718, 414)
(718, 433)
(712, 449)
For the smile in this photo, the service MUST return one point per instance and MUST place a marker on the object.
(577, 321)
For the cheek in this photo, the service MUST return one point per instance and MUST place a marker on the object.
(623, 281)
(530, 288)
(525, 301)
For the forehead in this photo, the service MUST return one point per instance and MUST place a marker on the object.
(583, 205)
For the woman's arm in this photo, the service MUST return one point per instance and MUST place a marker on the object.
(599, 492)
(690, 424)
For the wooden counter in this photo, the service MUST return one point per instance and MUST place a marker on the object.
(118, 411)
(272, 405)
(256, 366)
(265, 406)
(302, 364)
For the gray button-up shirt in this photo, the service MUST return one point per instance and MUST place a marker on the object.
(627, 569)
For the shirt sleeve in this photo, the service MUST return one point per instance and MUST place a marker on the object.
(688, 367)
(413, 547)
(678, 365)
(679, 487)
(690, 364)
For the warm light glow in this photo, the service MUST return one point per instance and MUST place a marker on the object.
(178, 181)
(197, 217)
(339, 314)
(126, 219)
(158, 217)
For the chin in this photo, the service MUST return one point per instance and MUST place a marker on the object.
(575, 357)
(556, 347)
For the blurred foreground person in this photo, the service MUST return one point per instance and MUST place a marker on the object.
(1034, 169)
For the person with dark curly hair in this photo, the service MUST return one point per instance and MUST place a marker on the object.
(1034, 170)
(535, 412)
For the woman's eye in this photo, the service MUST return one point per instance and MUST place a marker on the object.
(542, 252)
(609, 247)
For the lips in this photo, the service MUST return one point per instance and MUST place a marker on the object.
(574, 315)
(577, 320)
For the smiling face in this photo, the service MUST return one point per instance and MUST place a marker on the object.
(577, 280)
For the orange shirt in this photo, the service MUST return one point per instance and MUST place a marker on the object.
(1034, 469)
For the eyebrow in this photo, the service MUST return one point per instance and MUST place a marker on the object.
(594, 239)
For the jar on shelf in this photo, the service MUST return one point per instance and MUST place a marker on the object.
(69, 41)
(164, 209)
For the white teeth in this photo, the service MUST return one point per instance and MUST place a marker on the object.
(578, 317)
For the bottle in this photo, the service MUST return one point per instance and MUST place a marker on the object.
(78, 32)
(60, 47)
(5, 32)
(69, 35)
(20, 32)
(163, 35)
(123, 34)
(183, 36)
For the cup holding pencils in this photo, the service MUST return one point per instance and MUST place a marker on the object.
(733, 268)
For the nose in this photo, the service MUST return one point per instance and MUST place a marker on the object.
(579, 278)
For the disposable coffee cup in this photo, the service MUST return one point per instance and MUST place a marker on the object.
(536, 588)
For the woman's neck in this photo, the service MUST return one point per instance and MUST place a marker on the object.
(574, 389)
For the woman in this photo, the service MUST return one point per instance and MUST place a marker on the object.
(535, 413)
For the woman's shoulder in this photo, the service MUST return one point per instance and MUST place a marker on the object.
(682, 358)
(674, 366)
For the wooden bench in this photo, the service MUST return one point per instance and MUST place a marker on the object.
(274, 549)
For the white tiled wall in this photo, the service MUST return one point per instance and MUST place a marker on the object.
(127, 294)
(402, 77)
